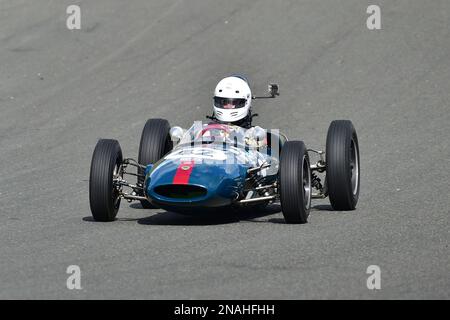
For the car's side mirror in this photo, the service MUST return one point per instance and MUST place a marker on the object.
(176, 133)
(273, 90)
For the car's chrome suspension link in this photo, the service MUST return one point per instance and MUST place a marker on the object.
(259, 199)
(135, 194)
(319, 166)
(316, 183)
(119, 182)
(134, 163)
(263, 192)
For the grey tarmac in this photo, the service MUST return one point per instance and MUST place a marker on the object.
(61, 90)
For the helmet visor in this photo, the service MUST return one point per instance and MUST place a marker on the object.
(226, 103)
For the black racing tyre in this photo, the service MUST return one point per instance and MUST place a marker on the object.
(342, 165)
(295, 182)
(155, 143)
(104, 199)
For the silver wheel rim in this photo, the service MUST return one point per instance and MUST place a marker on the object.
(306, 183)
(116, 195)
(354, 166)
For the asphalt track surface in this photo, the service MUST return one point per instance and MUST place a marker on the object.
(62, 90)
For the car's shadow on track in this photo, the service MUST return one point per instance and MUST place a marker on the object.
(322, 207)
(167, 218)
(175, 219)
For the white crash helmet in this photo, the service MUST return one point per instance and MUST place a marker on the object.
(232, 99)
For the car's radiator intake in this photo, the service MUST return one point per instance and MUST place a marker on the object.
(180, 191)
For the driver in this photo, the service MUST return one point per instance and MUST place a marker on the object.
(232, 101)
(232, 105)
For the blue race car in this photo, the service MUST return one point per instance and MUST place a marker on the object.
(216, 167)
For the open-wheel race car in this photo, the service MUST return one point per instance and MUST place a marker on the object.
(218, 167)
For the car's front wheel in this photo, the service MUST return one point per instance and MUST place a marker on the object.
(295, 182)
(104, 198)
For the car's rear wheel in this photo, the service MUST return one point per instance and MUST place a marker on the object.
(342, 165)
(295, 182)
(104, 198)
(155, 143)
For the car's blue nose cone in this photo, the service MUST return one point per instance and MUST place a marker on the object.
(177, 185)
